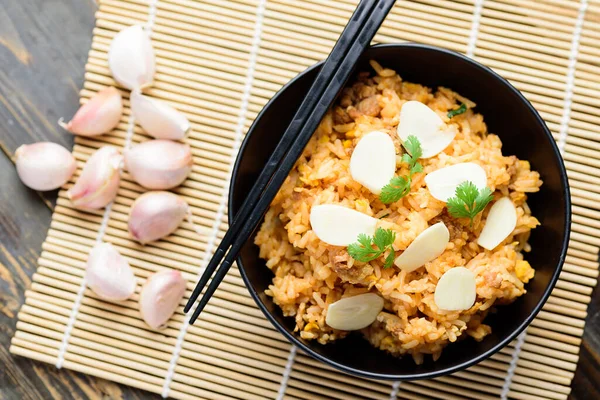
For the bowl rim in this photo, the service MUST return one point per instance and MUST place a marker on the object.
(486, 354)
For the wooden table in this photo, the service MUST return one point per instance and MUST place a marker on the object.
(43, 49)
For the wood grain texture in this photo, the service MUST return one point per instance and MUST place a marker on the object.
(43, 49)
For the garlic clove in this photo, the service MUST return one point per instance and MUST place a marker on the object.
(160, 297)
(373, 161)
(428, 246)
(421, 121)
(44, 165)
(157, 118)
(500, 222)
(159, 164)
(99, 115)
(354, 313)
(108, 273)
(155, 215)
(99, 181)
(131, 58)
(338, 225)
(443, 182)
(456, 290)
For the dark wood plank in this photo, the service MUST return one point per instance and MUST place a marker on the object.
(43, 49)
(586, 384)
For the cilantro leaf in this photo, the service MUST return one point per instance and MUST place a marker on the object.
(413, 146)
(468, 201)
(416, 168)
(395, 190)
(383, 238)
(370, 248)
(457, 111)
(399, 186)
(389, 260)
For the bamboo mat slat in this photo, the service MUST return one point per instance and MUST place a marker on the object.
(219, 63)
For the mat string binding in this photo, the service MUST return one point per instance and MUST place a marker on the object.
(239, 132)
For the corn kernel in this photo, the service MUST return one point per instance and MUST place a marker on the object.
(362, 204)
(387, 341)
(347, 144)
(324, 139)
(311, 326)
(524, 271)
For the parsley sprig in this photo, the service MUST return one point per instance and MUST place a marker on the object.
(399, 186)
(457, 111)
(468, 201)
(369, 248)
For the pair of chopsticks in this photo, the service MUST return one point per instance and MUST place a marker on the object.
(334, 73)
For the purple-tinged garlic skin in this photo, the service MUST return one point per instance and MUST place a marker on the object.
(155, 215)
(159, 164)
(44, 165)
(99, 181)
(160, 297)
(158, 119)
(131, 58)
(108, 273)
(101, 114)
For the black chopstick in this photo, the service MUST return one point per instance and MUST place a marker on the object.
(306, 127)
(342, 46)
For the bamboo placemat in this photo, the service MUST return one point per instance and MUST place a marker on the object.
(219, 62)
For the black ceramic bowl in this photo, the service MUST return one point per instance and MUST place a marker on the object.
(523, 134)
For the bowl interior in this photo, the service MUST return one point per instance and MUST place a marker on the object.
(523, 134)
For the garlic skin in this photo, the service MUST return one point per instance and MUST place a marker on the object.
(101, 114)
(99, 181)
(131, 58)
(44, 165)
(159, 164)
(155, 215)
(108, 273)
(158, 119)
(160, 297)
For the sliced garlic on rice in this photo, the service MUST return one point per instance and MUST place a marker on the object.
(373, 161)
(338, 225)
(354, 313)
(500, 222)
(456, 290)
(421, 121)
(443, 182)
(428, 246)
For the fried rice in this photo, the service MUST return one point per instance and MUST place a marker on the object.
(310, 274)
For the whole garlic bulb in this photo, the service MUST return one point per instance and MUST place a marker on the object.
(160, 297)
(131, 58)
(155, 215)
(99, 181)
(44, 165)
(159, 164)
(157, 118)
(108, 273)
(101, 114)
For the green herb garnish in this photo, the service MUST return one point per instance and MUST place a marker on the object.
(460, 110)
(369, 248)
(399, 186)
(468, 201)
